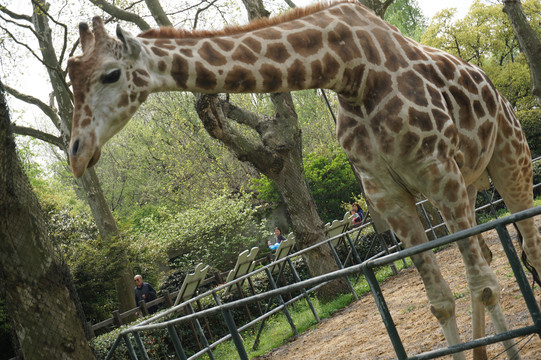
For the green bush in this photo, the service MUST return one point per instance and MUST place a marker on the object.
(213, 232)
(531, 125)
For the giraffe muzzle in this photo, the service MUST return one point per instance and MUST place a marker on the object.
(80, 159)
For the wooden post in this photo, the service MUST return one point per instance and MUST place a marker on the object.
(143, 307)
(218, 277)
(116, 318)
(167, 297)
(90, 330)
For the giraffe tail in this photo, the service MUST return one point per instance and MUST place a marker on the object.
(526, 262)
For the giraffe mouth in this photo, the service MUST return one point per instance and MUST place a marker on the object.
(79, 164)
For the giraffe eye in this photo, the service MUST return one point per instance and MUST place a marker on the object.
(111, 77)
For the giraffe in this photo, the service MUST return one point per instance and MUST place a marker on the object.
(412, 119)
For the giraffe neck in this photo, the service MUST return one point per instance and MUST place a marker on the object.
(314, 51)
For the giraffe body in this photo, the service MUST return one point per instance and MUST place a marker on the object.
(413, 119)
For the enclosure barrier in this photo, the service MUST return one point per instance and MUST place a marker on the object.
(367, 268)
(117, 318)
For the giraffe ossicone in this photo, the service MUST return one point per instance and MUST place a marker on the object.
(412, 119)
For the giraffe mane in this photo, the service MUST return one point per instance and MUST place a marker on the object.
(169, 32)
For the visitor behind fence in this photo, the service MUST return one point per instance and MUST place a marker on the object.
(279, 238)
(144, 291)
(358, 213)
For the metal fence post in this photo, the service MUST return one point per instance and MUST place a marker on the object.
(522, 281)
(140, 346)
(298, 279)
(129, 346)
(176, 342)
(200, 332)
(230, 322)
(340, 266)
(384, 311)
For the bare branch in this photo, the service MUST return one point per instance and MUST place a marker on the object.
(15, 16)
(242, 116)
(47, 110)
(121, 14)
(64, 27)
(200, 10)
(157, 12)
(38, 134)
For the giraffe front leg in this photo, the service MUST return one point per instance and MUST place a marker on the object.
(485, 292)
(398, 210)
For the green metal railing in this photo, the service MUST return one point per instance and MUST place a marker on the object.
(132, 335)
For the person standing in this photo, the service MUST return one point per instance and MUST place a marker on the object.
(144, 291)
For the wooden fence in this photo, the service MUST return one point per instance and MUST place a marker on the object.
(167, 299)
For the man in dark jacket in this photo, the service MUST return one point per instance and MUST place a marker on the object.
(144, 291)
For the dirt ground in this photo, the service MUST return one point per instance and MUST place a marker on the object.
(357, 332)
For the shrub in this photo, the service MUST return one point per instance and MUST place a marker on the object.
(531, 125)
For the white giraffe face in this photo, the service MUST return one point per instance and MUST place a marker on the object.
(105, 89)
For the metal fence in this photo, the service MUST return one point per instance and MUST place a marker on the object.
(132, 337)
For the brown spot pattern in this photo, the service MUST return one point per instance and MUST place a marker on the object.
(206, 79)
(244, 54)
(124, 100)
(269, 34)
(408, 142)
(378, 86)
(466, 118)
(420, 120)
(451, 190)
(272, 77)
(430, 74)
(446, 67)
(277, 52)
(488, 98)
(440, 118)
(158, 52)
(253, 44)
(394, 61)
(179, 71)
(412, 87)
(162, 66)
(307, 42)
(211, 55)
(345, 124)
(138, 79)
(478, 109)
(340, 42)
(239, 79)
(467, 82)
(224, 44)
(296, 75)
(485, 133)
(367, 45)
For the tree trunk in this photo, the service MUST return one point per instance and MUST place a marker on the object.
(100, 209)
(38, 301)
(530, 44)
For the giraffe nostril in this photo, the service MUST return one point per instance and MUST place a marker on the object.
(75, 147)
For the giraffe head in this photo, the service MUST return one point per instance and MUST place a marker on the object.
(105, 91)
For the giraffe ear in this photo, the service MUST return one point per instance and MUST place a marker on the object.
(131, 45)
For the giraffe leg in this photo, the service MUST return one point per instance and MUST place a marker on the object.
(459, 215)
(398, 210)
(514, 184)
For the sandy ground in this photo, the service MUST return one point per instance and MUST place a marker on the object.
(357, 332)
